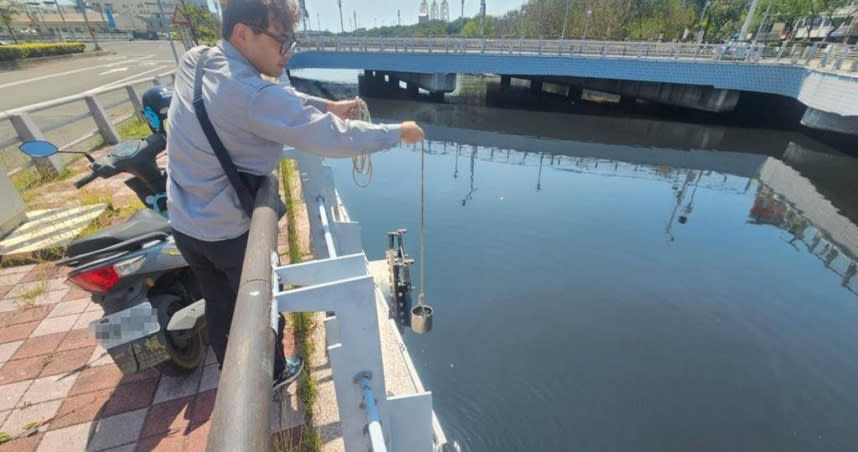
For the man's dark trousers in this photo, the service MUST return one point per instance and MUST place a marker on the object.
(217, 267)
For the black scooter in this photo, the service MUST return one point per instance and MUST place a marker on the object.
(154, 315)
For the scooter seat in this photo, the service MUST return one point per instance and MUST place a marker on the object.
(144, 221)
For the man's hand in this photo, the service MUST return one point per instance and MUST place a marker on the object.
(410, 132)
(345, 109)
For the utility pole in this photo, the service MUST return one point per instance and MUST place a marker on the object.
(748, 19)
(191, 22)
(319, 21)
(763, 22)
(700, 23)
(82, 5)
(60, 12)
(483, 18)
(398, 18)
(354, 12)
(565, 19)
(342, 28)
(169, 32)
(463, 10)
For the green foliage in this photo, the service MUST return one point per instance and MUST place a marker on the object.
(133, 129)
(205, 25)
(724, 18)
(31, 50)
(7, 16)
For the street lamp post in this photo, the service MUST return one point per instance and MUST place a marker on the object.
(169, 31)
(587, 24)
(82, 5)
(700, 22)
(60, 12)
(565, 19)
(34, 16)
(483, 18)
(340, 4)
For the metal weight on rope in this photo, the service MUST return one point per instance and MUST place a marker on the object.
(421, 315)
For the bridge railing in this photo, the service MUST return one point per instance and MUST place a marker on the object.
(821, 56)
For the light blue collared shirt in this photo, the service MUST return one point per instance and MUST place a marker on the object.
(254, 118)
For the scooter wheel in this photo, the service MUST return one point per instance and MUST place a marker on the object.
(186, 360)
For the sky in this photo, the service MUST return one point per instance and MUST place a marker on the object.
(383, 12)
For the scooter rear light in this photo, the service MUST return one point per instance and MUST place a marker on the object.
(96, 280)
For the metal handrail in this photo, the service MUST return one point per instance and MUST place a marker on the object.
(754, 53)
(90, 94)
(242, 411)
(77, 97)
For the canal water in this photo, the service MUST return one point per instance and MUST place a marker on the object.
(618, 284)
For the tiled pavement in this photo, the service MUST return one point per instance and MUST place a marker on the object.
(60, 391)
(55, 380)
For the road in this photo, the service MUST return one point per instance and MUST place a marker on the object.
(50, 80)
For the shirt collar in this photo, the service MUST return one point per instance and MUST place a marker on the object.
(231, 53)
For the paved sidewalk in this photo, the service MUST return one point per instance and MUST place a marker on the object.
(56, 382)
(60, 391)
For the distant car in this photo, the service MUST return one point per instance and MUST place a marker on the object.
(3, 43)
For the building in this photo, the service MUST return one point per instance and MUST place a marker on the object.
(144, 15)
(423, 16)
(53, 20)
(434, 12)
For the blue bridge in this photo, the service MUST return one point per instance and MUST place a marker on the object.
(822, 78)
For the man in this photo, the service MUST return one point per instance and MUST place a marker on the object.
(253, 118)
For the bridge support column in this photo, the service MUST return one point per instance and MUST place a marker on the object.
(535, 86)
(821, 120)
(506, 81)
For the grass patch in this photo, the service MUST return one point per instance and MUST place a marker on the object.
(303, 324)
(32, 177)
(28, 298)
(111, 216)
(4, 437)
(133, 128)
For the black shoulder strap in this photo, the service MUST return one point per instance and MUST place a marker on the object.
(244, 196)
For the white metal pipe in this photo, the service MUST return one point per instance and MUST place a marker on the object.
(326, 227)
(376, 436)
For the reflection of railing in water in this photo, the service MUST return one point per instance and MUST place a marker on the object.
(685, 182)
(604, 166)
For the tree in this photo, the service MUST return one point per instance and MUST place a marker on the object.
(7, 15)
(471, 29)
(204, 25)
(724, 18)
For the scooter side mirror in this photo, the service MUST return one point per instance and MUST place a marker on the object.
(38, 148)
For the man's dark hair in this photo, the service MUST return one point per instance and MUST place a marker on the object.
(259, 13)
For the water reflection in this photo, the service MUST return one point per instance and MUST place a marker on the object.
(628, 285)
(801, 209)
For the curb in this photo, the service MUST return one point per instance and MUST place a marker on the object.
(26, 63)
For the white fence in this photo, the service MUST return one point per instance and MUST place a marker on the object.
(69, 126)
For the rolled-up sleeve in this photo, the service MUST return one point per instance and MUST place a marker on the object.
(279, 114)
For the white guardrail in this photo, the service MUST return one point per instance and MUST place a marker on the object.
(26, 129)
